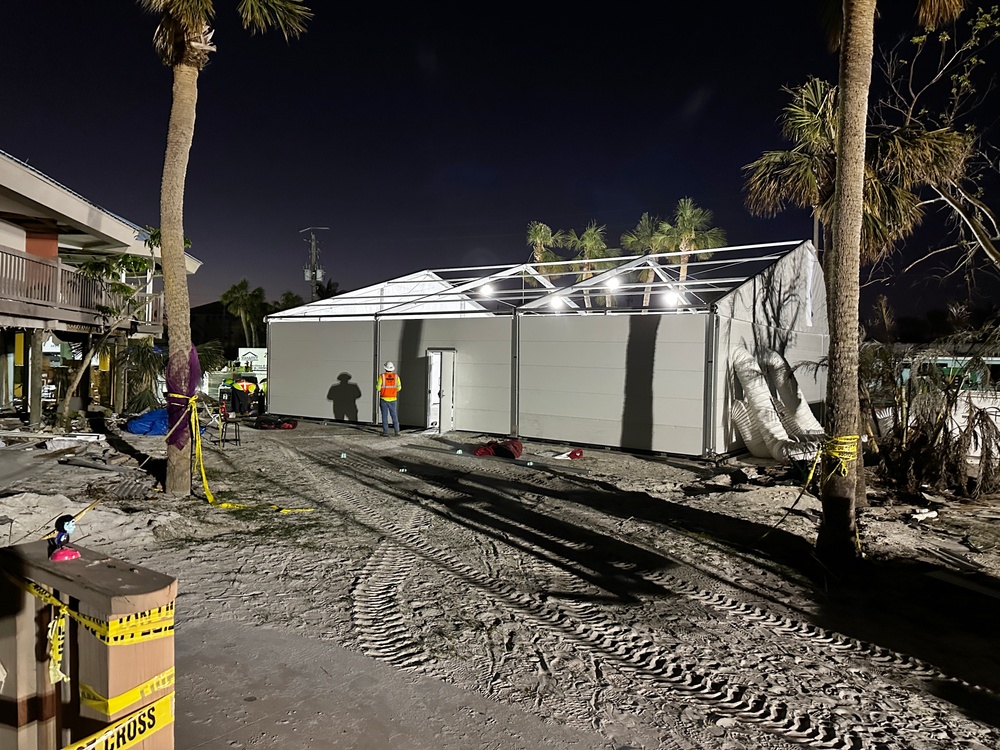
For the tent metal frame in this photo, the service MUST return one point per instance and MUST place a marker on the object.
(556, 288)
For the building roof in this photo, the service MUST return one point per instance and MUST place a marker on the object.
(618, 285)
(35, 202)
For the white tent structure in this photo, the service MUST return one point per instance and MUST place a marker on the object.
(627, 352)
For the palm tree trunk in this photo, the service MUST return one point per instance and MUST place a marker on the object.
(245, 320)
(647, 278)
(120, 369)
(836, 540)
(35, 379)
(74, 383)
(180, 134)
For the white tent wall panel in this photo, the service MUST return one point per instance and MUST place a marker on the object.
(678, 386)
(784, 309)
(598, 353)
(621, 381)
(482, 368)
(305, 359)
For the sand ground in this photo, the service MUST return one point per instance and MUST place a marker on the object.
(433, 599)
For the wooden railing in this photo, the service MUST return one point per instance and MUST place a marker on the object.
(51, 283)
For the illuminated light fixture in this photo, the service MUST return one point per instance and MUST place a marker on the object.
(486, 290)
(556, 302)
(673, 298)
(613, 282)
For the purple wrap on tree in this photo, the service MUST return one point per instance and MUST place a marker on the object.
(178, 395)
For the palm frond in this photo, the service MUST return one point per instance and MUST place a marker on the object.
(779, 179)
(287, 16)
(809, 119)
(912, 156)
(933, 13)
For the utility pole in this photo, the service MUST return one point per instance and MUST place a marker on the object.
(313, 272)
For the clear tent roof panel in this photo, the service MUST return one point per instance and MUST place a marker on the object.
(618, 285)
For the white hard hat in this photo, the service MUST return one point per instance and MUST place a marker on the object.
(389, 367)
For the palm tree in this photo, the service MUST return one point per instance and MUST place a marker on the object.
(837, 535)
(590, 246)
(542, 239)
(183, 40)
(899, 160)
(288, 301)
(257, 311)
(145, 362)
(645, 239)
(690, 234)
(327, 289)
(246, 304)
(804, 176)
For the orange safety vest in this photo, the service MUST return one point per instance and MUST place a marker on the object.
(245, 385)
(388, 386)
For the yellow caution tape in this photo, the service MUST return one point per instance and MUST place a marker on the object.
(56, 633)
(133, 628)
(57, 636)
(192, 409)
(842, 450)
(108, 706)
(135, 728)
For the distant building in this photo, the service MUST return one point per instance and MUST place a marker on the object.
(46, 232)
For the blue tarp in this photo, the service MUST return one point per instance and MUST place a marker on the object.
(151, 423)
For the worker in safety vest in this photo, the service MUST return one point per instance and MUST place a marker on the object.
(388, 385)
(243, 391)
(262, 397)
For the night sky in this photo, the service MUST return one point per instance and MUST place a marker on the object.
(423, 137)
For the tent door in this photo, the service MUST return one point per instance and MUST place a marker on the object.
(441, 390)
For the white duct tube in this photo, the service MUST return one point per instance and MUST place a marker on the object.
(748, 430)
(763, 415)
(779, 375)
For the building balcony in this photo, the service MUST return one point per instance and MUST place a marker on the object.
(34, 289)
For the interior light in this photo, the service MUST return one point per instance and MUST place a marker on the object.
(556, 301)
(673, 298)
(486, 290)
(613, 282)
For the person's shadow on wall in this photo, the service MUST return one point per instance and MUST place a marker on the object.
(344, 394)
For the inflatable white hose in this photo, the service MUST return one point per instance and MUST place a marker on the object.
(748, 430)
(779, 374)
(763, 415)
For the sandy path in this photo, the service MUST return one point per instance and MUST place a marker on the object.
(569, 592)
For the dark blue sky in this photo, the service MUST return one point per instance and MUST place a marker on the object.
(423, 137)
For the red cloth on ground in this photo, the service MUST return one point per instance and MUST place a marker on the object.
(506, 449)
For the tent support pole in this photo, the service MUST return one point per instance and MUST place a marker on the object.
(377, 338)
(711, 382)
(515, 372)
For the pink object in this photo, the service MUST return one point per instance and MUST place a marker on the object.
(64, 553)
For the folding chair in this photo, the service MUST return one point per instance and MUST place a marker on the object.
(213, 418)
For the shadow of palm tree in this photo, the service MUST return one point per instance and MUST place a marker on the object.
(896, 606)
(155, 467)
